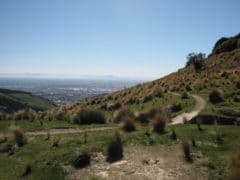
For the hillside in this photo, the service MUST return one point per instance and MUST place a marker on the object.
(11, 101)
(220, 70)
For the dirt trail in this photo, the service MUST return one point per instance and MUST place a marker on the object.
(200, 104)
(69, 130)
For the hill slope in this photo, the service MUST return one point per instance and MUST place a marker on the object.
(220, 70)
(11, 101)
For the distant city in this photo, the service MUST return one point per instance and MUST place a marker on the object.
(62, 91)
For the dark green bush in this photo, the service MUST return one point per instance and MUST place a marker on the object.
(173, 135)
(194, 143)
(187, 151)
(83, 160)
(238, 85)
(115, 149)
(28, 170)
(197, 60)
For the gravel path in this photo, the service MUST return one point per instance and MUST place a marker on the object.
(199, 106)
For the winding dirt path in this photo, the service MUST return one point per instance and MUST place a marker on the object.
(199, 106)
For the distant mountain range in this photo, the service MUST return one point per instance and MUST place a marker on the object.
(71, 76)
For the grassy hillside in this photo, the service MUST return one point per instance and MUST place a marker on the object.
(11, 101)
(220, 70)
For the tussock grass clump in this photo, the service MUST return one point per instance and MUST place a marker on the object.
(89, 116)
(129, 125)
(3, 139)
(48, 136)
(124, 114)
(219, 137)
(19, 137)
(199, 125)
(28, 170)
(159, 122)
(85, 137)
(56, 142)
(194, 144)
(83, 160)
(187, 151)
(215, 96)
(115, 148)
(238, 85)
(184, 95)
(234, 172)
(174, 135)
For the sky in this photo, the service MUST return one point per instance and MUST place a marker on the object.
(125, 38)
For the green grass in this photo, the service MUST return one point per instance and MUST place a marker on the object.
(32, 101)
(16, 100)
(48, 162)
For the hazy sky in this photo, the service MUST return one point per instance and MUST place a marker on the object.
(135, 38)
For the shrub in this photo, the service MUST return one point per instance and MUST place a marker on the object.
(159, 123)
(28, 170)
(19, 137)
(115, 149)
(234, 172)
(85, 137)
(186, 151)
(3, 139)
(56, 142)
(128, 125)
(174, 108)
(188, 88)
(173, 135)
(89, 116)
(199, 125)
(48, 135)
(83, 160)
(184, 95)
(215, 96)
(238, 85)
(219, 137)
(124, 114)
(197, 60)
(194, 143)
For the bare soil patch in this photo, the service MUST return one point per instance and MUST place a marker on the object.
(143, 163)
